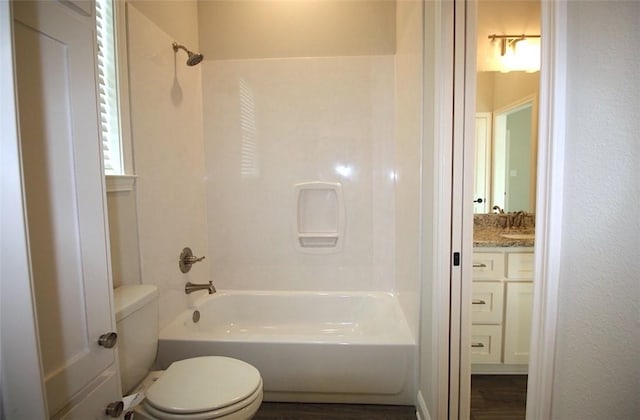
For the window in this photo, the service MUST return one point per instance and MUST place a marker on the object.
(112, 85)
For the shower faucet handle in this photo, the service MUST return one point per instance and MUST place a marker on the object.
(187, 259)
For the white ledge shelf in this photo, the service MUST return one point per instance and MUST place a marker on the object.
(120, 183)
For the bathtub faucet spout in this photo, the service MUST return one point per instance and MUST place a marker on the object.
(192, 287)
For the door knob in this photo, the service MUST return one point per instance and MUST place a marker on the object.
(108, 340)
(479, 200)
(114, 409)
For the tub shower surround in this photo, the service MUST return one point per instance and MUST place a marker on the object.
(264, 126)
(271, 124)
(309, 346)
(166, 112)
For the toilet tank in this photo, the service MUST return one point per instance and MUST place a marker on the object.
(136, 308)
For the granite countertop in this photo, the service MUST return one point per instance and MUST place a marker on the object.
(499, 237)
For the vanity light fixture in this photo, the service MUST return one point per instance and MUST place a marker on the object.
(518, 52)
(510, 41)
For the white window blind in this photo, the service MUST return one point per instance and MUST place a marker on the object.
(108, 88)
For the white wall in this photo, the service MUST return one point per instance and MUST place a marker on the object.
(177, 18)
(597, 369)
(495, 90)
(123, 232)
(284, 28)
(166, 108)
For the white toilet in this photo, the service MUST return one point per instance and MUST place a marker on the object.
(211, 387)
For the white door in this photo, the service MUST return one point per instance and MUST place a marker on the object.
(64, 190)
(481, 190)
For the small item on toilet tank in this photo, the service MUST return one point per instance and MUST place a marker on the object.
(130, 403)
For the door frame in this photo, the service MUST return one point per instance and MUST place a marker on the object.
(549, 206)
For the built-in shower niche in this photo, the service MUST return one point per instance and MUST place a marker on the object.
(320, 217)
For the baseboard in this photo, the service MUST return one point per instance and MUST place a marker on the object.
(499, 369)
(422, 413)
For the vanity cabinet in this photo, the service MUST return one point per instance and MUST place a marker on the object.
(501, 305)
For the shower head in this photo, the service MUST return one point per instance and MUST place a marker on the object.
(193, 59)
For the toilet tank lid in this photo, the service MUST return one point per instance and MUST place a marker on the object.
(129, 298)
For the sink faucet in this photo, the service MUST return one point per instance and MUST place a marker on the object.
(192, 287)
(498, 209)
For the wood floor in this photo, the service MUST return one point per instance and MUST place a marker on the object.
(493, 397)
(294, 411)
(498, 397)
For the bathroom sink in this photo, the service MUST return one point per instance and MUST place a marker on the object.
(518, 235)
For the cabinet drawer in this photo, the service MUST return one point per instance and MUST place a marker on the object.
(488, 266)
(487, 302)
(486, 343)
(520, 265)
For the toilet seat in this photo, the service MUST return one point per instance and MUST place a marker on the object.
(205, 388)
(241, 411)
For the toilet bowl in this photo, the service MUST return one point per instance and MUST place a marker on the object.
(204, 388)
(199, 388)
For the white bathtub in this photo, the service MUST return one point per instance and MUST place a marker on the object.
(310, 347)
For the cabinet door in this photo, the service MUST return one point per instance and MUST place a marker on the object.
(64, 189)
(520, 265)
(517, 331)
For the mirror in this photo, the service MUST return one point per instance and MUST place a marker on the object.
(514, 152)
(506, 141)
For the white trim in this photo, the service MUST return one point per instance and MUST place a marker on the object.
(112, 65)
(124, 106)
(443, 158)
(120, 183)
(549, 209)
(518, 104)
(457, 157)
(462, 208)
(107, 70)
(436, 208)
(468, 173)
(422, 412)
(550, 181)
(440, 206)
